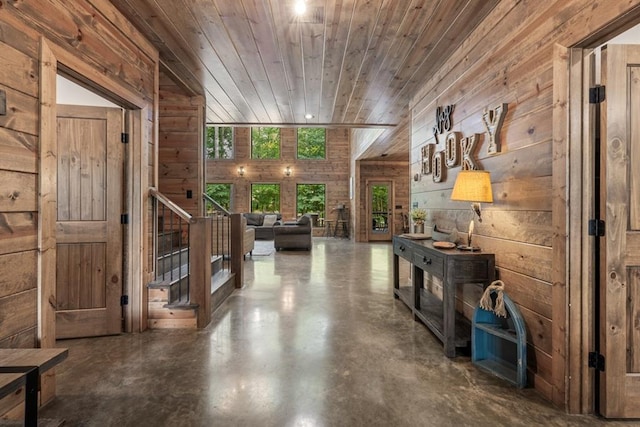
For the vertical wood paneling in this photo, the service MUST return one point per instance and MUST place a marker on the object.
(98, 263)
(46, 268)
(634, 150)
(82, 174)
(559, 219)
(86, 278)
(62, 277)
(633, 333)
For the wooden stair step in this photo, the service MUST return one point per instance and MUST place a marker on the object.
(158, 295)
(172, 323)
(176, 316)
(161, 310)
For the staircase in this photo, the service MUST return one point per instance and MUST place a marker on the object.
(168, 294)
(182, 275)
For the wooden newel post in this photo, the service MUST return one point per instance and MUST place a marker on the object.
(200, 277)
(237, 257)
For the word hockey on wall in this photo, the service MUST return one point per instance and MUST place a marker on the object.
(458, 150)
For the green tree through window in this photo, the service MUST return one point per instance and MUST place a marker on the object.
(380, 206)
(310, 198)
(265, 143)
(311, 143)
(221, 193)
(265, 197)
(219, 142)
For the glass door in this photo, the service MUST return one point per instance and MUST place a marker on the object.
(380, 219)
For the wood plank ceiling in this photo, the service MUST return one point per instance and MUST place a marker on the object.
(346, 62)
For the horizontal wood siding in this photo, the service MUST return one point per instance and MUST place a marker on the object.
(332, 171)
(509, 59)
(180, 147)
(101, 37)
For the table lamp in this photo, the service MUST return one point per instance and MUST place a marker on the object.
(472, 186)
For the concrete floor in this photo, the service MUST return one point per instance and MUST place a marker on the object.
(314, 339)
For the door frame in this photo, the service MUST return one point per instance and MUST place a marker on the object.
(368, 184)
(572, 141)
(53, 59)
(573, 75)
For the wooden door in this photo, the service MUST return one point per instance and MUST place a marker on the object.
(380, 219)
(620, 278)
(88, 229)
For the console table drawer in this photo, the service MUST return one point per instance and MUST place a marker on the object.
(476, 270)
(429, 263)
(402, 250)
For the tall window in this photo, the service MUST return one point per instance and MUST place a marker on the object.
(265, 143)
(221, 193)
(265, 197)
(311, 143)
(219, 143)
(310, 198)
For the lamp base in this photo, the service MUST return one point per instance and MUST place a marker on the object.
(468, 248)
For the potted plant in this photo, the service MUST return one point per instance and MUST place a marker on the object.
(418, 215)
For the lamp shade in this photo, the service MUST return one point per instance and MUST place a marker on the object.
(473, 186)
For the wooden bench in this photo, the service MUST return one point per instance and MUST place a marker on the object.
(28, 364)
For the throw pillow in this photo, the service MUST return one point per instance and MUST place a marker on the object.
(304, 220)
(269, 220)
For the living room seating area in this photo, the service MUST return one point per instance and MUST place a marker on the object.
(262, 223)
(293, 236)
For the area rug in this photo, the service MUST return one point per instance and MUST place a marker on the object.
(263, 248)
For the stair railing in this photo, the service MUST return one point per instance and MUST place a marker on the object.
(172, 226)
(220, 230)
(227, 234)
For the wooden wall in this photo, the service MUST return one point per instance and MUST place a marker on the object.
(333, 171)
(180, 145)
(105, 42)
(18, 198)
(509, 59)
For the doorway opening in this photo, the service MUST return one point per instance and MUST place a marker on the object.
(603, 148)
(90, 196)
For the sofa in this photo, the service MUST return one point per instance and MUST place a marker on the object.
(263, 229)
(293, 236)
(248, 239)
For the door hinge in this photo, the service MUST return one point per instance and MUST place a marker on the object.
(596, 227)
(597, 95)
(124, 219)
(124, 300)
(124, 137)
(596, 360)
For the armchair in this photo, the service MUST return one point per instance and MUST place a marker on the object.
(293, 236)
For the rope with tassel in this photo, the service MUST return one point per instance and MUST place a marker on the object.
(487, 304)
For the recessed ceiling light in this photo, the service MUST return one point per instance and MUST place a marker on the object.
(308, 116)
(300, 7)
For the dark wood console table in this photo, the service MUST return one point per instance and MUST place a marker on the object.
(454, 267)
